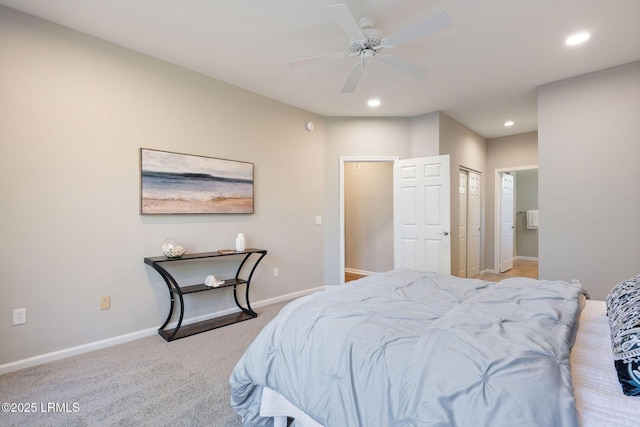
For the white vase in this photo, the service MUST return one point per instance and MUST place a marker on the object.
(240, 243)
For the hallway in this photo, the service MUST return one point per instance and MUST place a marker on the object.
(521, 268)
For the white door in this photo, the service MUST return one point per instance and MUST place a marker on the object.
(422, 220)
(506, 222)
(473, 224)
(462, 221)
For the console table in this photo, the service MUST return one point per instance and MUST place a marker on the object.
(245, 313)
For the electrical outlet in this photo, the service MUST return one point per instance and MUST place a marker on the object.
(276, 272)
(105, 302)
(19, 316)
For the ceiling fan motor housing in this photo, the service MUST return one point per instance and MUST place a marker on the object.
(372, 41)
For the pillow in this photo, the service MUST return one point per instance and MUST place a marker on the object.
(623, 310)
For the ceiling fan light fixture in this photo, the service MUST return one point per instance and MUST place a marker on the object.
(577, 38)
(509, 123)
(373, 103)
(367, 56)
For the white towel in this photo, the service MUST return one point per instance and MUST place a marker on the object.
(532, 220)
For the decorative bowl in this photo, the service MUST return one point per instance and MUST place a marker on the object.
(171, 248)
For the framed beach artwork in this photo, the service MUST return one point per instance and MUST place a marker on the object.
(174, 183)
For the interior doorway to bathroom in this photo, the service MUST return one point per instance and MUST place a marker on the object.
(521, 248)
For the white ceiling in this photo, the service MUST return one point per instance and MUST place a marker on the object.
(484, 68)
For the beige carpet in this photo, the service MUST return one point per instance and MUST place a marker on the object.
(147, 382)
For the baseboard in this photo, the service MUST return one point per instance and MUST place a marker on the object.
(287, 297)
(527, 258)
(72, 351)
(489, 270)
(360, 272)
(121, 339)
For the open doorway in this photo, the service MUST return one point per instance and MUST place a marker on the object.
(366, 215)
(520, 253)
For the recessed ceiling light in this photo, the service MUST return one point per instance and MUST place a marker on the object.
(373, 103)
(577, 39)
(509, 123)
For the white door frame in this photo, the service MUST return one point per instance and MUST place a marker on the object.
(507, 220)
(496, 213)
(351, 159)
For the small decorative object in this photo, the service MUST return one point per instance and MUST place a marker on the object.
(240, 242)
(227, 251)
(171, 248)
(211, 281)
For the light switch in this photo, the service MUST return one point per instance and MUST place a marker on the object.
(318, 220)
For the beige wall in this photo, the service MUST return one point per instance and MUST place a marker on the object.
(589, 144)
(505, 153)
(368, 211)
(370, 137)
(468, 150)
(425, 135)
(74, 112)
(526, 198)
(349, 137)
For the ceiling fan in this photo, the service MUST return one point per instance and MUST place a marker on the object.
(367, 43)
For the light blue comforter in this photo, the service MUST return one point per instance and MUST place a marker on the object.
(407, 348)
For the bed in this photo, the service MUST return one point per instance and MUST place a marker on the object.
(408, 348)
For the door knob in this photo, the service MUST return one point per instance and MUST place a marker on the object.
(444, 233)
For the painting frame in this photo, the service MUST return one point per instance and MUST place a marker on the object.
(174, 183)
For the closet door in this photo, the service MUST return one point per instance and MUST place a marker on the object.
(462, 227)
(473, 224)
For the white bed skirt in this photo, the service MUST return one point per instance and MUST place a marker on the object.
(275, 405)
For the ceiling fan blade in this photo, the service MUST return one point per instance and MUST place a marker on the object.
(437, 22)
(353, 79)
(317, 58)
(405, 66)
(347, 22)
